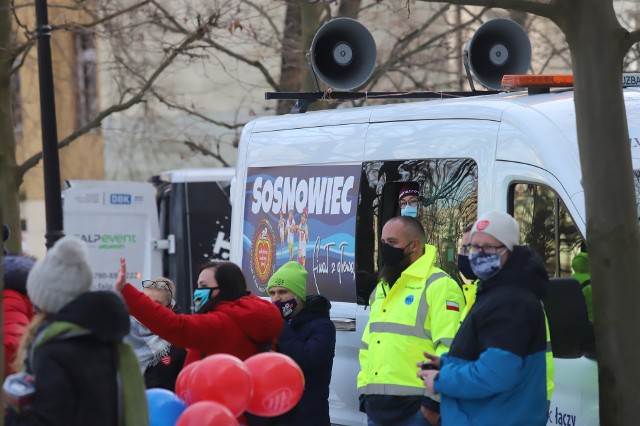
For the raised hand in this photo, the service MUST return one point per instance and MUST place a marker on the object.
(121, 281)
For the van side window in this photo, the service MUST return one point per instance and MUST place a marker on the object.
(448, 202)
(547, 226)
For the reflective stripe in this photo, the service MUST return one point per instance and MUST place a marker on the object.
(398, 390)
(444, 341)
(364, 345)
(416, 330)
(549, 347)
(402, 330)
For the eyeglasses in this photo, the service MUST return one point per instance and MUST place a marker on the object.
(485, 249)
(160, 285)
(413, 202)
(464, 249)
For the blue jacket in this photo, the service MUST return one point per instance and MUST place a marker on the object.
(310, 339)
(495, 371)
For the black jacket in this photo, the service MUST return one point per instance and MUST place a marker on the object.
(310, 340)
(76, 377)
(507, 309)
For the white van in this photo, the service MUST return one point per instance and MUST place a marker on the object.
(515, 152)
(168, 227)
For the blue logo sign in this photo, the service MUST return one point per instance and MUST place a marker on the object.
(120, 199)
(409, 299)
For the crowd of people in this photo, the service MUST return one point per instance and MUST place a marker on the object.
(433, 352)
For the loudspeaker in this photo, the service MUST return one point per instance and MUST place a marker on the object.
(343, 54)
(498, 47)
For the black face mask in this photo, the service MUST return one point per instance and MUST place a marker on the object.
(391, 256)
(465, 268)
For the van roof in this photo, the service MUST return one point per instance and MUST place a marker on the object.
(490, 107)
(198, 174)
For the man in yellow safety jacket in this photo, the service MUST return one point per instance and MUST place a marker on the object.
(414, 308)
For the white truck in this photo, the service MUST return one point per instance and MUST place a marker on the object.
(515, 152)
(166, 227)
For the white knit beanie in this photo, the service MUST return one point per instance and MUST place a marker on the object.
(500, 226)
(61, 276)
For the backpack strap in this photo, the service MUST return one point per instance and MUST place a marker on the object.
(585, 284)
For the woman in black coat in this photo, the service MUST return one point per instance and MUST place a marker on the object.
(309, 338)
(84, 373)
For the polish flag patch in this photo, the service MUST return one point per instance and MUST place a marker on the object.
(166, 360)
(453, 306)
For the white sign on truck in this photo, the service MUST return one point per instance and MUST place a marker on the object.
(115, 219)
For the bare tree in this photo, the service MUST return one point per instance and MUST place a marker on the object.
(598, 44)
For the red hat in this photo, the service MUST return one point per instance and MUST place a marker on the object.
(409, 188)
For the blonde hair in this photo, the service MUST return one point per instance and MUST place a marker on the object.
(170, 284)
(29, 334)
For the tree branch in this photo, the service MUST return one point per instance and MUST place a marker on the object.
(199, 33)
(634, 37)
(196, 114)
(102, 20)
(202, 150)
(256, 64)
(536, 7)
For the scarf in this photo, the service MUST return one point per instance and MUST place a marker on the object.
(132, 399)
(148, 347)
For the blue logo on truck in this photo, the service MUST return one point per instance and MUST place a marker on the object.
(120, 199)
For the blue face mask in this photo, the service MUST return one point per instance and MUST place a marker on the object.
(484, 265)
(409, 211)
(287, 308)
(200, 297)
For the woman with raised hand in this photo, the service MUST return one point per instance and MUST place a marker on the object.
(228, 320)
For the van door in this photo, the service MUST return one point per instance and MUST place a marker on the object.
(550, 224)
(452, 162)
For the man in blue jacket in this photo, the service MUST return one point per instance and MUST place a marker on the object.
(495, 370)
(309, 338)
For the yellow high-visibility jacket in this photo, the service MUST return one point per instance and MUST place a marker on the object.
(420, 313)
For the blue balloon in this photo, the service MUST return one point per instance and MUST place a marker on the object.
(164, 407)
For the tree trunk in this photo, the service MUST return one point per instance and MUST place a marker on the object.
(349, 8)
(596, 42)
(9, 195)
(292, 58)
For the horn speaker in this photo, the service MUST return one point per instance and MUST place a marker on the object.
(343, 54)
(497, 48)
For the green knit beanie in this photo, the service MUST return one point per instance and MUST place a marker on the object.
(291, 276)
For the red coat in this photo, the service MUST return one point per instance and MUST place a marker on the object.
(17, 314)
(235, 328)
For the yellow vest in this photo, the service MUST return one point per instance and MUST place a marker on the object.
(420, 313)
(469, 291)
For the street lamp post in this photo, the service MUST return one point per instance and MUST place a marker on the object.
(50, 160)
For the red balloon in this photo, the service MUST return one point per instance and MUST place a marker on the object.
(222, 378)
(278, 384)
(207, 413)
(182, 382)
